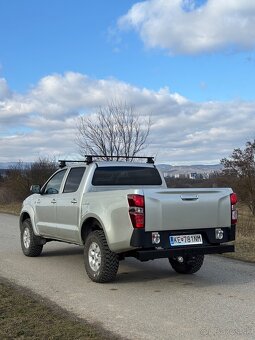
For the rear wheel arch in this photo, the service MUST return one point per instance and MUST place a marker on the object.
(89, 225)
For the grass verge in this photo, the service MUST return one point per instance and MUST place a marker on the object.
(10, 208)
(244, 249)
(245, 236)
(24, 315)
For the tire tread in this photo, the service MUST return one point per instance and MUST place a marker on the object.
(109, 259)
(35, 249)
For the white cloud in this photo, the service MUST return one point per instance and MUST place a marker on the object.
(4, 89)
(42, 122)
(183, 28)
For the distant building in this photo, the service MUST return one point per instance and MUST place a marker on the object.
(184, 173)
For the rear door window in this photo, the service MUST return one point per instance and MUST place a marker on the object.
(123, 175)
(73, 179)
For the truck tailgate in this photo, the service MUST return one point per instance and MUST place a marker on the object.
(178, 209)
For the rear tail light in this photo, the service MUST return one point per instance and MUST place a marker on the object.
(233, 198)
(136, 210)
(233, 201)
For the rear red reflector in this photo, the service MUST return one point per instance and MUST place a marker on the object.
(137, 220)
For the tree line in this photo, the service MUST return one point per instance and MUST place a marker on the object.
(15, 183)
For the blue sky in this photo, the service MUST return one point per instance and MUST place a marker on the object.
(192, 59)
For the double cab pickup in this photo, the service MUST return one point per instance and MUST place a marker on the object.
(121, 209)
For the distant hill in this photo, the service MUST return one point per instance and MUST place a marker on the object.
(4, 166)
(187, 169)
(8, 165)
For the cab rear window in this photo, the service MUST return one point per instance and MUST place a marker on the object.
(123, 175)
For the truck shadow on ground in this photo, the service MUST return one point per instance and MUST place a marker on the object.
(62, 251)
(215, 271)
(211, 274)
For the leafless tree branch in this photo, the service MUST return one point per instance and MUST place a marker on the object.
(115, 130)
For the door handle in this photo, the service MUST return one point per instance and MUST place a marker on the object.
(53, 201)
(73, 201)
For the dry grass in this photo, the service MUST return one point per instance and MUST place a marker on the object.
(27, 316)
(11, 208)
(245, 236)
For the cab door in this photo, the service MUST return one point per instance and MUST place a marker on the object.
(68, 206)
(45, 206)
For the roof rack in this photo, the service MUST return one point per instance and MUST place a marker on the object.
(89, 159)
(62, 162)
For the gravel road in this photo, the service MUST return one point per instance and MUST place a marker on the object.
(148, 300)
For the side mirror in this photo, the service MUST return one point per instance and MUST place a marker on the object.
(35, 189)
(51, 191)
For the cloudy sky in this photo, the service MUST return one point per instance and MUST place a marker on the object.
(189, 65)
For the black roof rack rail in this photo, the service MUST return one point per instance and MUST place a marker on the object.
(62, 162)
(89, 158)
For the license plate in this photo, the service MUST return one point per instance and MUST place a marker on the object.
(184, 240)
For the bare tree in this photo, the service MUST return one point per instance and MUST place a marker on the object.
(241, 168)
(115, 130)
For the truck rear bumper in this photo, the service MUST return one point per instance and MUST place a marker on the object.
(143, 239)
(151, 254)
(147, 250)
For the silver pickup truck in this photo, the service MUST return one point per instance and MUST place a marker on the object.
(121, 209)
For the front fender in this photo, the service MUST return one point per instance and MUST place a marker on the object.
(28, 212)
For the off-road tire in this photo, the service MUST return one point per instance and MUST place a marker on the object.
(109, 260)
(30, 243)
(190, 265)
